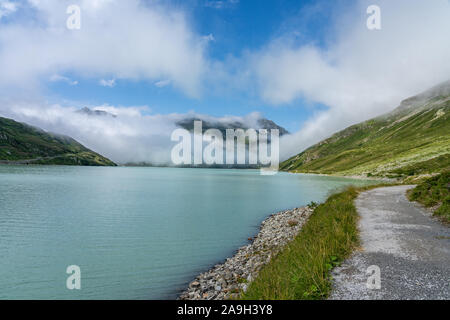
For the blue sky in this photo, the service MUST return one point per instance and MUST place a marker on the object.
(237, 27)
(313, 67)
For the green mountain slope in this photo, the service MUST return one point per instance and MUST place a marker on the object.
(413, 139)
(23, 144)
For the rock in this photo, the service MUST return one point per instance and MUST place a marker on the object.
(224, 281)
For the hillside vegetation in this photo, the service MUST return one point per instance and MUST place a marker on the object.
(434, 193)
(412, 142)
(24, 144)
(301, 271)
(414, 139)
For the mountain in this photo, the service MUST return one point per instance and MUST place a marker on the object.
(24, 144)
(261, 123)
(94, 112)
(413, 139)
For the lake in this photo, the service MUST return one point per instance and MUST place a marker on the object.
(135, 233)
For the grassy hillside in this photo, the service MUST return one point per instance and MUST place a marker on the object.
(20, 143)
(434, 193)
(413, 139)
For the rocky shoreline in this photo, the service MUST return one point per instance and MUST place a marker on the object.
(228, 280)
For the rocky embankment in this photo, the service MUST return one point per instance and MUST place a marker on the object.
(227, 280)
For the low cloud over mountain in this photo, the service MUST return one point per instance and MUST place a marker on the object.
(131, 134)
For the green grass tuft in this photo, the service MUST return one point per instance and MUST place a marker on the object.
(434, 192)
(425, 167)
(302, 269)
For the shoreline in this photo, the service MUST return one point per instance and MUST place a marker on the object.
(355, 177)
(228, 279)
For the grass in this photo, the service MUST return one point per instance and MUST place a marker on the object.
(425, 167)
(301, 271)
(20, 142)
(388, 145)
(406, 143)
(434, 193)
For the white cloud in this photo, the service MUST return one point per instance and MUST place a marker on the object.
(133, 135)
(57, 77)
(107, 83)
(361, 73)
(220, 4)
(358, 74)
(209, 37)
(7, 7)
(124, 39)
(130, 136)
(162, 83)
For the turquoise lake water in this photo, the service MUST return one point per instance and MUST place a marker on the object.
(136, 233)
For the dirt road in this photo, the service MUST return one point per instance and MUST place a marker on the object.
(410, 248)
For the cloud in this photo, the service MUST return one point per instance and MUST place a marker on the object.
(7, 7)
(133, 135)
(356, 73)
(143, 42)
(359, 73)
(220, 4)
(162, 83)
(209, 37)
(107, 83)
(57, 77)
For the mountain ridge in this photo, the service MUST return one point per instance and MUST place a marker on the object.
(21, 143)
(261, 123)
(417, 131)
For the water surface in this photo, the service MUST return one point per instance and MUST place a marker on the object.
(136, 233)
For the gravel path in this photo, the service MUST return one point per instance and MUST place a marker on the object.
(411, 248)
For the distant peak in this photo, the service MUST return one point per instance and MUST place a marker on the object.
(94, 112)
(441, 90)
(222, 125)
